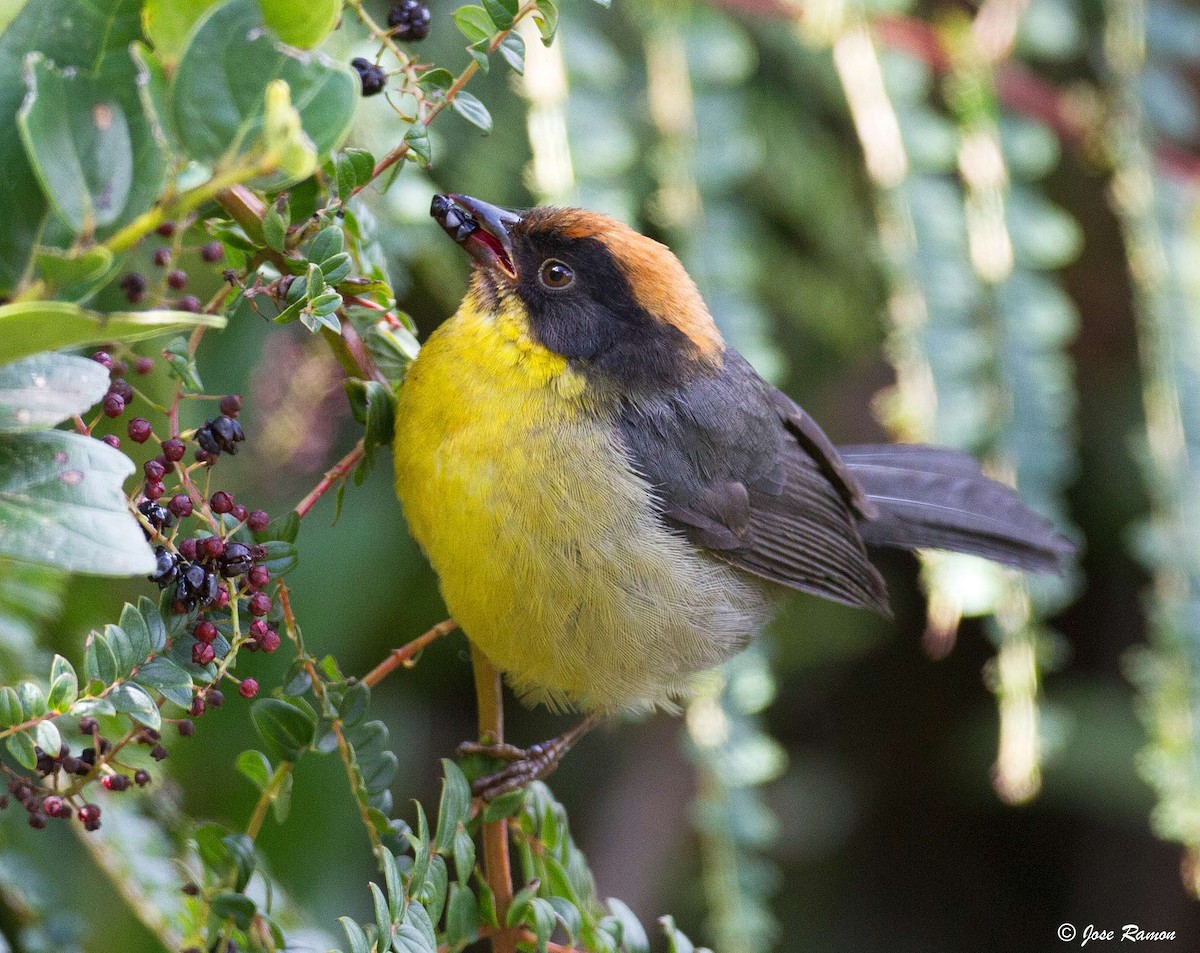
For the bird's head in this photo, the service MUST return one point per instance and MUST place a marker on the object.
(588, 288)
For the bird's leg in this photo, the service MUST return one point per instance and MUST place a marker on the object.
(525, 765)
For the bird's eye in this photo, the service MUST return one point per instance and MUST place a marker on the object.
(556, 275)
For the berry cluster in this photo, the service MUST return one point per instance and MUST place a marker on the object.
(409, 20)
(373, 78)
(134, 284)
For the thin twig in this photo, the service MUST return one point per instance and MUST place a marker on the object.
(497, 867)
(404, 655)
(338, 472)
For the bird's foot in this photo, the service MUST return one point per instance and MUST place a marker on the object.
(525, 765)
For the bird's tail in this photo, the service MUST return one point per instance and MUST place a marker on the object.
(933, 498)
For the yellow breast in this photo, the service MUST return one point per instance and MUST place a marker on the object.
(549, 551)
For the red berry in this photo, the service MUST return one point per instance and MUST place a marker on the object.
(154, 490)
(205, 632)
(143, 365)
(166, 229)
(121, 386)
(173, 449)
(212, 252)
(203, 654)
(162, 257)
(257, 520)
(52, 804)
(180, 505)
(221, 502)
(212, 546)
(238, 512)
(260, 604)
(248, 688)
(113, 405)
(176, 278)
(257, 628)
(258, 577)
(112, 440)
(196, 709)
(269, 641)
(187, 548)
(90, 815)
(139, 430)
(231, 404)
(104, 359)
(222, 599)
(154, 471)
(189, 303)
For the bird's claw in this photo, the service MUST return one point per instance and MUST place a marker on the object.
(535, 763)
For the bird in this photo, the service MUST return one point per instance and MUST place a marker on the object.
(613, 500)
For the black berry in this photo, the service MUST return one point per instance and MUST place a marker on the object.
(186, 728)
(409, 20)
(134, 286)
(141, 778)
(374, 79)
(90, 815)
(156, 515)
(166, 567)
(235, 560)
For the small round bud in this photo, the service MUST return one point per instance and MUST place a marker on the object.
(248, 688)
(112, 440)
(141, 778)
(203, 654)
(143, 365)
(37, 820)
(257, 520)
(205, 632)
(215, 698)
(121, 386)
(196, 709)
(88, 725)
(269, 641)
(186, 728)
(258, 577)
(134, 287)
(166, 229)
(113, 405)
(90, 815)
(221, 502)
(176, 278)
(158, 753)
(187, 548)
(189, 303)
(212, 546)
(260, 604)
(238, 512)
(173, 449)
(180, 505)
(104, 359)
(231, 404)
(154, 471)
(162, 256)
(139, 430)
(154, 490)
(212, 252)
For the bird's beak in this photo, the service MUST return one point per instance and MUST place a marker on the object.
(482, 230)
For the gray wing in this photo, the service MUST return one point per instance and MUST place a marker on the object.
(746, 474)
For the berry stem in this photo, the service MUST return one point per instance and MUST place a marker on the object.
(338, 472)
(405, 654)
(269, 793)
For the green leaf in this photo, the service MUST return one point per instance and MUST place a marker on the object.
(546, 19)
(354, 703)
(33, 702)
(219, 112)
(134, 626)
(520, 905)
(417, 138)
(391, 881)
(282, 557)
(47, 737)
(433, 895)
(354, 936)
(255, 766)
(168, 23)
(543, 919)
(154, 624)
(415, 932)
(285, 729)
(325, 244)
(392, 349)
(64, 685)
(288, 148)
(11, 712)
(78, 140)
(462, 916)
(383, 917)
(61, 504)
(512, 48)
(472, 110)
(303, 25)
(633, 934)
(474, 23)
(21, 747)
(379, 772)
(234, 906)
(76, 271)
(275, 228)
(44, 390)
(454, 808)
(168, 679)
(99, 662)
(677, 941)
(501, 12)
(506, 805)
(93, 706)
(92, 38)
(464, 855)
(241, 850)
(136, 702)
(122, 649)
(31, 327)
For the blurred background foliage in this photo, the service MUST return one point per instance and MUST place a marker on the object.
(976, 223)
